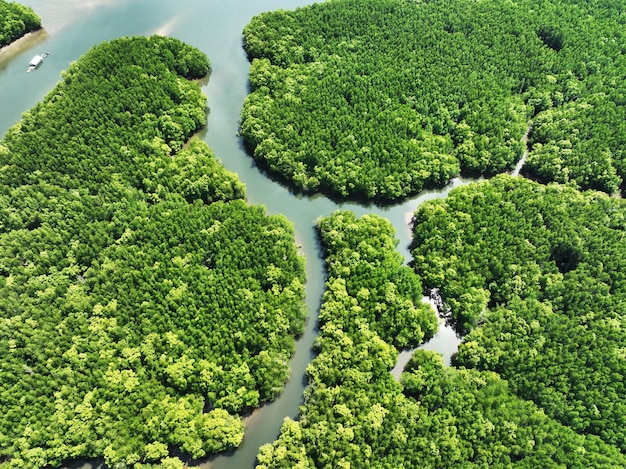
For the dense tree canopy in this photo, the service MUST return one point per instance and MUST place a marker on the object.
(380, 98)
(540, 270)
(152, 109)
(367, 278)
(15, 21)
(143, 304)
(356, 415)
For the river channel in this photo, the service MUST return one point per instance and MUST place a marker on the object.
(214, 26)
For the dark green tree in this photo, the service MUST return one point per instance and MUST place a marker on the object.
(15, 21)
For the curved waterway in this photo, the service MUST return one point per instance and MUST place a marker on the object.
(213, 26)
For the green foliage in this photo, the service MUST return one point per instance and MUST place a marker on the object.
(488, 426)
(579, 132)
(367, 278)
(143, 304)
(550, 262)
(123, 109)
(355, 414)
(581, 143)
(15, 21)
(197, 175)
(380, 99)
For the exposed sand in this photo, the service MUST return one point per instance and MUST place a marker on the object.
(20, 45)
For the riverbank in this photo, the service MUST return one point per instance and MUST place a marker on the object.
(28, 40)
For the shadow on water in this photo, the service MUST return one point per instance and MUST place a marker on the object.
(85, 463)
(334, 197)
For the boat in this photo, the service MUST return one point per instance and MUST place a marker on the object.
(35, 62)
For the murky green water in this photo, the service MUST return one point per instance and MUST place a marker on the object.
(213, 26)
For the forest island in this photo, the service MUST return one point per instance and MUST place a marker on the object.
(146, 306)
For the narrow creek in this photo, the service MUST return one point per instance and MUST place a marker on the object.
(518, 166)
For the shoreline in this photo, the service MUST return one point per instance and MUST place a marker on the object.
(21, 44)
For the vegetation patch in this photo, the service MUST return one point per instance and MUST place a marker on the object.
(380, 99)
(15, 21)
(537, 274)
(144, 306)
(356, 415)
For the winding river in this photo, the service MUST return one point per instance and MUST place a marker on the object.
(213, 26)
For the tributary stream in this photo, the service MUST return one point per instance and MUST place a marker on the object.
(214, 26)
